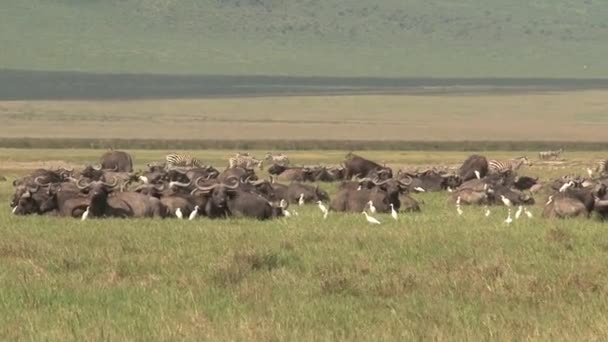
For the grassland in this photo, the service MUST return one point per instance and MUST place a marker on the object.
(545, 116)
(470, 38)
(431, 275)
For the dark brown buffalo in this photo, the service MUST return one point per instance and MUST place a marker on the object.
(471, 164)
(117, 161)
(104, 203)
(355, 165)
(228, 200)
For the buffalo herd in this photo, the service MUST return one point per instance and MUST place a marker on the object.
(113, 189)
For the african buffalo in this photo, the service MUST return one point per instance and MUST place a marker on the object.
(473, 166)
(117, 161)
(119, 204)
(355, 165)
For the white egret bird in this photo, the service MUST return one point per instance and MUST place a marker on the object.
(301, 199)
(487, 213)
(394, 212)
(590, 172)
(458, 200)
(370, 219)
(450, 189)
(14, 209)
(528, 213)
(519, 211)
(144, 179)
(179, 214)
(459, 210)
(372, 209)
(359, 188)
(85, 215)
(506, 201)
(419, 189)
(323, 209)
(566, 186)
(509, 218)
(283, 205)
(550, 200)
(193, 213)
(477, 174)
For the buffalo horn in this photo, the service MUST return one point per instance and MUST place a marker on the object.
(406, 183)
(79, 184)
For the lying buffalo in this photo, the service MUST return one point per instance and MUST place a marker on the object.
(355, 165)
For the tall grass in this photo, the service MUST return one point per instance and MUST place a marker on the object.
(431, 275)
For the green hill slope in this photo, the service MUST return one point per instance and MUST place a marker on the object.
(440, 38)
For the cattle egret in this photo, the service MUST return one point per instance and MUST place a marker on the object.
(459, 210)
(144, 179)
(509, 219)
(301, 200)
(283, 205)
(359, 188)
(506, 201)
(84, 215)
(286, 213)
(458, 200)
(450, 189)
(519, 211)
(178, 213)
(419, 189)
(550, 200)
(14, 210)
(487, 213)
(370, 219)
(477, 174)
(566, 186)
(323, 209)
(394, 212)
(193, 213)
(590, 172)
(372, 209)
(528, 213)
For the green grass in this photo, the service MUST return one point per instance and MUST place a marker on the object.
(431, 275)
(470, 38)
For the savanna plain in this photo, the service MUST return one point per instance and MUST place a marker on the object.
(430, 275)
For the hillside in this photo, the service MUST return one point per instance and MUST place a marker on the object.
(394, 38)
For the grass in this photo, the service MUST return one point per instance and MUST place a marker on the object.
(391, 38)
(522, 116)
(431, 275)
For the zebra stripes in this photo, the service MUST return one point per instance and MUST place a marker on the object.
(550, 154)
(497, 166)
(182, 160)
(246, 162)
(279, 159)
(601, 166)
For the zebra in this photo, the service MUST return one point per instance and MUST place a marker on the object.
(279, 159)
(550, 154)
(246, 162)
(497, 166)
(182, 160)
(601, 166)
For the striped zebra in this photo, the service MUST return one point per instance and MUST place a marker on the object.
(498, 166)
(601, 166)
(246, 162)
(279, 159)
(182, 160)
(550, 154)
